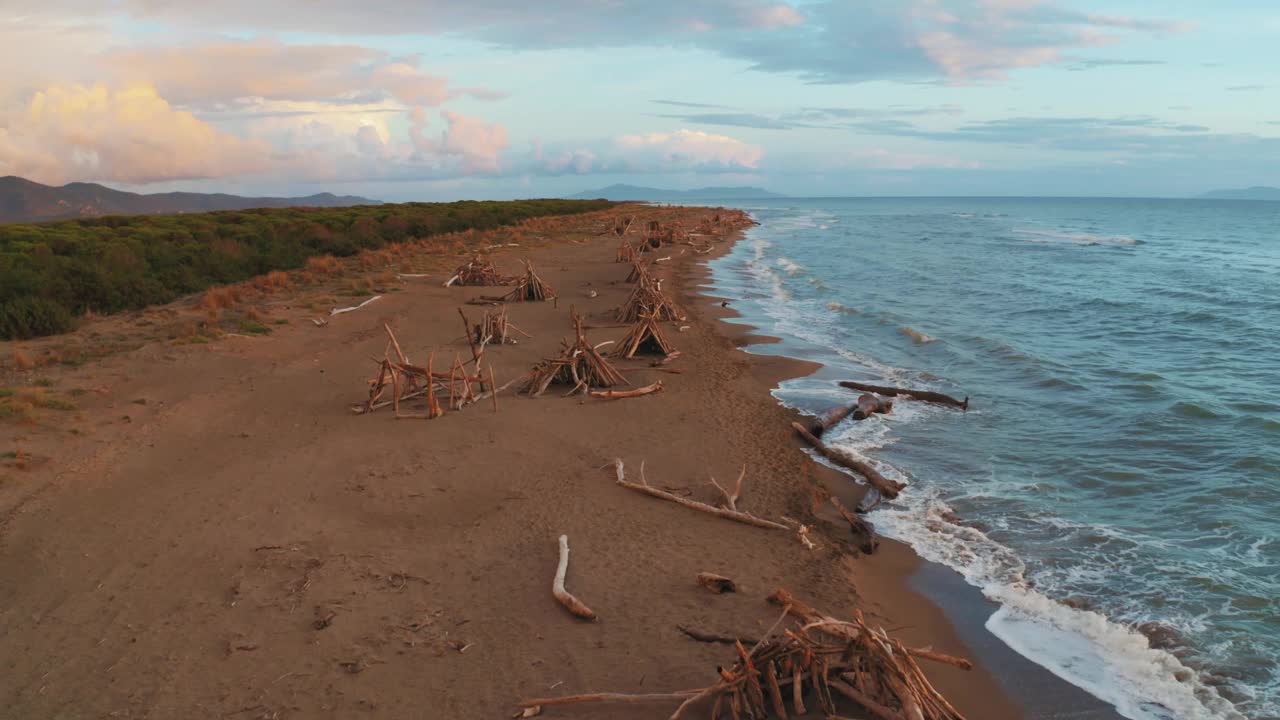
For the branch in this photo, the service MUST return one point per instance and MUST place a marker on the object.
(644, 487)
(573, 604)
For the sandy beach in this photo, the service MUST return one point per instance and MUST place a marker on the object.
(214, 533)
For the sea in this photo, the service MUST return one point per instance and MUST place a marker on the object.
(1114, 486)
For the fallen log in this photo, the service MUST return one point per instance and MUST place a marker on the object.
(862, 530)
(829, 419)
(869, 405)
(644, 487)
(573, 604)
(925, 395)
(888, 488)
(619, 394)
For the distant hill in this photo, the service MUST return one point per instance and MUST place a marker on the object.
(1254, 193)
(634, 192)
(24, 201)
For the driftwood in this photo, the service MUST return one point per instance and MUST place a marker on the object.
(580, 365)
(717, 584)
(339, 311)
(644, 336)
(888, 488)
(925, 395)
(862, 530)
(819, 425)
(857, 662)
(869, 405)
(479, 272)
(573, 604)
(648, 299)
(408, 382)
(735, 515)
(703, 636)
(619, 394)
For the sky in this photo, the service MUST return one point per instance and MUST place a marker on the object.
(442, 99)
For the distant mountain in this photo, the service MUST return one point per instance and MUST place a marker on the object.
(633, 192)
(22, 200)
(1253, 193)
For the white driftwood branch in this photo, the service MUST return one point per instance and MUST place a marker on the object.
(644, 487)
(339, 311)
(573, 604)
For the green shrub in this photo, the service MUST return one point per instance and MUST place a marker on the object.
(27, 317)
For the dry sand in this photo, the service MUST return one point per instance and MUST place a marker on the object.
(224, 538)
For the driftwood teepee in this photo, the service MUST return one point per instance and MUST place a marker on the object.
(649, 299)
(644, 336)
(530, 287)
(579, 365)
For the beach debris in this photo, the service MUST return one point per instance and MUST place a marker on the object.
(494, 327)
(925, 395)
(478, 272)
(831, 660)
(339, 311)
(571, 603)
(717, 584)
(802, 533)
(731, 499)
(644, 487)
(862, 530)
(644, 336)
(620, 394)
(648, 299)
(708, 637)
(579, 365)
(667, 360)
(888, 488)
(869, 405)
(639, 271)
(626, 252)
(408, 381)
(528, 288)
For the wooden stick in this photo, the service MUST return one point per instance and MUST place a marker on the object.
(404, 359)
(930, 654)
(621, 698)
(619, 394)
(861, 528)
(870, 705)
(573, 604)
(703, 636)
(925, 395)
(775, 691)
(887, 487)
(339, 311)
(493, 384)
(644, 487)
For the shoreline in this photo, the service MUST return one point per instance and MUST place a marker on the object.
(899, 576)
(212, 531)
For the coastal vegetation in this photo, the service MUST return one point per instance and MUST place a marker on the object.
(52, 273)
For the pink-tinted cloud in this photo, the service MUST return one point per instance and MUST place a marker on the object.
(688, 149)
(478, 143)
(127, 135)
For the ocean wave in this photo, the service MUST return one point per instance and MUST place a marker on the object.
(917, 336)
(789, 266)
(1066, 238)
(842, 308)
(1112, 661)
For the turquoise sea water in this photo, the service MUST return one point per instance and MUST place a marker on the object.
(1119, 468)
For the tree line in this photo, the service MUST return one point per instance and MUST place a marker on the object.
(52, 273)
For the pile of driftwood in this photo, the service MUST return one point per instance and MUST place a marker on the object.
(639, 271)
(528, 288)
(494, 327)
(644, 336)
(579, 365)
(818, 661)
(648, 299)
(460, 386)
(478, 272)
(626, 252)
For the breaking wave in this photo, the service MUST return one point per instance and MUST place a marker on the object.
(1066, 238)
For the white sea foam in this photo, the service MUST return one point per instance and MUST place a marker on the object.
(1109, 660)
(789, 266)
(1066, 238)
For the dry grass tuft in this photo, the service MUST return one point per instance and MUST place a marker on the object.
(22, 361)
(323, 266)
(220, 298)
(274, 281)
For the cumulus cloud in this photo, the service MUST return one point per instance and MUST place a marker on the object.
(688, 149)
(478, 143)
(127, 135)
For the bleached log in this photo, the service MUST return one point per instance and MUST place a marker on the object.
(644, 487)
(339, 311)
(619, 394)
(573, 604)
(925, 395)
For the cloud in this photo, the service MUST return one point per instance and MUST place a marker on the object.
(1246, 88)
(1080, 64)
(129, 135)
(688, 149)
(746, 120)
(678, 103)
(826, 41)
(216, 75)
(476, 142)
